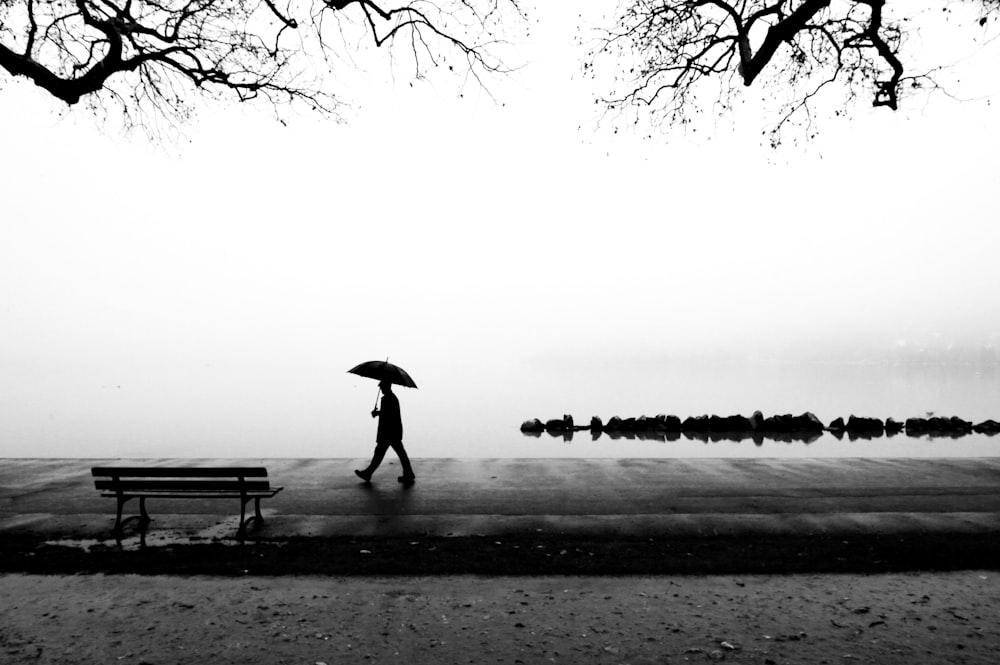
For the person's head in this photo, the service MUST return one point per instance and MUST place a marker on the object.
(386, 387)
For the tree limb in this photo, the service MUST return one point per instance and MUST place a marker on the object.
(667, 53)
(162, 54)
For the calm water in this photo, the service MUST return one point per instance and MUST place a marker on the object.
(475, 410)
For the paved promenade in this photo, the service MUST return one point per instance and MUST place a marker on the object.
(56, 499)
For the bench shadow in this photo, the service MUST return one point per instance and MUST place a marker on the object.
(141, 527)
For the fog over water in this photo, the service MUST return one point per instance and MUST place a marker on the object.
(206, 299)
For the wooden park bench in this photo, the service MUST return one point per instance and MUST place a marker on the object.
(161, 482)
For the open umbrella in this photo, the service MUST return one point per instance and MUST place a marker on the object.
(383, 370)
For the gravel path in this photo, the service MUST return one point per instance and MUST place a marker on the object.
(897, 618)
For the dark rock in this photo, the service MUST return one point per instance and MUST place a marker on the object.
(988, 427)
(774, 423)
(662, 423)
(559, 424)
(938, 427)
(628, 424)
(695, 424)
(757, 420)
(533, 425)
(916, 426)
(717, 424)
(959, 424)
(596, 424)
(860, 425)
(893, 427)
(814, 424)
(789, 424)
(671, 423)
(614, 425)
(837, 425)
(729, 424)
(864, 428)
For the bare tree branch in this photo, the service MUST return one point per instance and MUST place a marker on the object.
(154, 58)
(664, 54)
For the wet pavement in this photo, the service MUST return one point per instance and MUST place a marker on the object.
(56, 499)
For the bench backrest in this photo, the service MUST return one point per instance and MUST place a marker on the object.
(163, 478)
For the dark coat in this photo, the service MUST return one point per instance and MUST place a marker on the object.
(390, 423)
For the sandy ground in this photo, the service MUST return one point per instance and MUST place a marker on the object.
(898, 618)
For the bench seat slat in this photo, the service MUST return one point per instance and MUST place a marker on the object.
(180, 471)
(197, 495)
(181, 485)
(173, 492)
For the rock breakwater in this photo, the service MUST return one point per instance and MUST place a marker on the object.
(785, 427)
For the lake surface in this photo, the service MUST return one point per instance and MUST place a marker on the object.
(475, 408)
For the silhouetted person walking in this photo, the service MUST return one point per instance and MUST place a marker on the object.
(390, 435)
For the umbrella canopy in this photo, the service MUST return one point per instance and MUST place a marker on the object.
(383, 370)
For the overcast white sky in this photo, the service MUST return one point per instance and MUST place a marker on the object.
(247, 269)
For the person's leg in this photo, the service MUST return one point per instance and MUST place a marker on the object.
(377, 457)
(404, 459)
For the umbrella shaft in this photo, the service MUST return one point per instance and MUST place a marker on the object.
(378, 391)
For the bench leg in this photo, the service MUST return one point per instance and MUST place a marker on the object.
(243, 512)
(142, 517)
(118, 516)
(259, 519)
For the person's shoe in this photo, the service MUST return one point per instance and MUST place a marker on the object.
(367, 477)
(407, 479)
